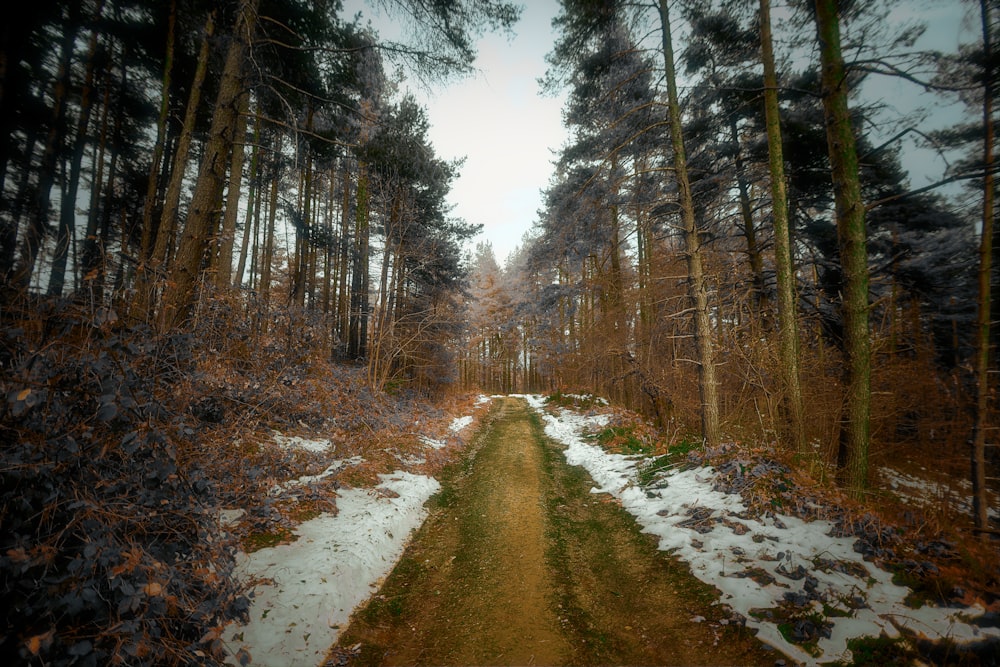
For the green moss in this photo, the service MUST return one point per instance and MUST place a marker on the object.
(676, 455)
(264, 540)
(621, 438)
(877, 652)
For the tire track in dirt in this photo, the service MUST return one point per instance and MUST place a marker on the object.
(518, 564)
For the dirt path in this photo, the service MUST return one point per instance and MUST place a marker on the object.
(519, 564)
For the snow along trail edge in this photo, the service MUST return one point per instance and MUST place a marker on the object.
(306, 591)
(784, 547)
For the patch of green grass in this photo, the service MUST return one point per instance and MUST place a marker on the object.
(264, 540)
(579, 401)
(621, 438)
(446, 497)
(877, 652)
(676, 455)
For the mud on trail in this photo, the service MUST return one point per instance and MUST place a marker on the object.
(519, 564)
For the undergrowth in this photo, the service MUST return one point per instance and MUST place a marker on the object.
(110, 546)
(121, 446)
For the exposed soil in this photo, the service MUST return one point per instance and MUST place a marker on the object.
(519, 564)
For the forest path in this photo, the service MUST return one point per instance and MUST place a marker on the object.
(519, 564)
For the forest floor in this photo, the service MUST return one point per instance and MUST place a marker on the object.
(562, 530)
(519, 563)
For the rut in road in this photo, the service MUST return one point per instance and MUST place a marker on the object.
(519, 564)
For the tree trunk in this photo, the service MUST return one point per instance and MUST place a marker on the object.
(343, 290)
(852, 243)
(253, 207)
(162, 237)
(224, 260)
(759, 299)
(39, 222)
(152, 180)
(359, 274)
(267, 256)
(788, 327)
(67, 207)
(203, 216)
(980, 498)
(692, 244)
(92, 255)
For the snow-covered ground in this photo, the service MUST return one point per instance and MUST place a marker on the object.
(928, 493)
(759, 565)
(305, 591)
(310, 587)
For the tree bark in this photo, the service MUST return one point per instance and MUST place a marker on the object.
(162, 238)
(759, 299)
(224, 260)
(39, 222)
(253, 207)
(851, 237)
(203, 216)
(980, 498)
(152, 180)
(707, 383)
(788, 328)
(359, 276)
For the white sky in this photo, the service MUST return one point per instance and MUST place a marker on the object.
(508, 132)
(500, 123)
(505, 128)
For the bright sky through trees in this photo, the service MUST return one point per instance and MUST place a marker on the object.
(507, 131)
(499, 121)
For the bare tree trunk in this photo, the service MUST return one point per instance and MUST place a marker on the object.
(203, 216)
(753, 247)
(359, 275)
(152, 181)
(267, 256)
(980, 499)
(224, 260)
(164, 233)
(788, 328)
(851, 236)
(67, 206)
(39, 221)
(253, 206)
(707, 383)
(343, 289)
(92, 258)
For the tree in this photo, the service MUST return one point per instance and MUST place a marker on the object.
(787, 306)
(980, 506)
(852, 242)
(206, 200)
(692, 246)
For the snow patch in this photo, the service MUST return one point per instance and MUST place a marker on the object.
(230, 517)
(928, 493)
(757, 564)
(297, 442)
(310, 587)
(332, 469)
(431, 442)
(460, 423)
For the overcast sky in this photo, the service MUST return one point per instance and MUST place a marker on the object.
(499, 122)
(505, 128)
(508, 132)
